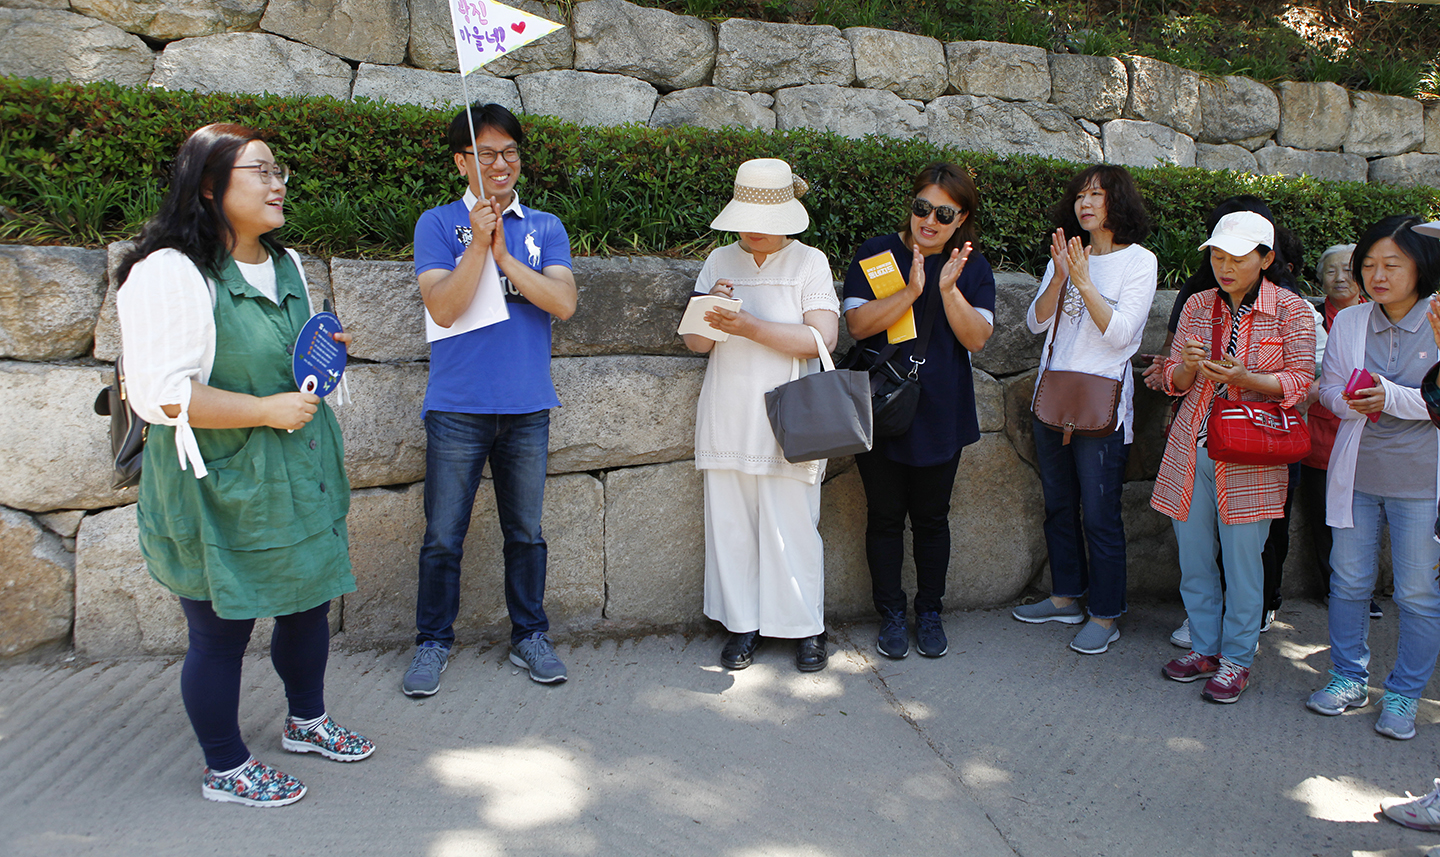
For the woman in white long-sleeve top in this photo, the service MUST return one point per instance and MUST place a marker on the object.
(1385, 466)
(1093, 303)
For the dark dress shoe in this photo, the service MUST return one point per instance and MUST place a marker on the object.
(810, 654)
(739, 651)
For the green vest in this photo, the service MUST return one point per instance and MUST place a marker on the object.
(264, 533)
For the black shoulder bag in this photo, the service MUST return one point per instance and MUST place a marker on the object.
(127, 430)
(894, 388)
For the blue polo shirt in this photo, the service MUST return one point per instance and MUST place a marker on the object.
(503, 368)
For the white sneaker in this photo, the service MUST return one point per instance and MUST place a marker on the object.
(1419, 813)
(1181, 637)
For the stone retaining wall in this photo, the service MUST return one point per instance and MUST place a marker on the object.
(617, 63)
(623, 501)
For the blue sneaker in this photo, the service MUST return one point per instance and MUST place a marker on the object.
(1397, 716)
(537, 654)
(423, 676)
(894, 639)
(930, 635)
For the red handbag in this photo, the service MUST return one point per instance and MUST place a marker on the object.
(1239, 432)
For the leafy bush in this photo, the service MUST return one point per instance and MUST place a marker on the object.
(85, 164)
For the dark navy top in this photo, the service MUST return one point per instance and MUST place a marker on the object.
(945, 421)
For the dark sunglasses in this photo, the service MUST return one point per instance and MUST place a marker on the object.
(921, 208)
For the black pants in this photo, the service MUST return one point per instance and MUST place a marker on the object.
(210, 679)
(894, 491)
(1312, 499)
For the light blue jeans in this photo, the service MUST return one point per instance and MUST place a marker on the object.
(1414, 555)
(1226, 621)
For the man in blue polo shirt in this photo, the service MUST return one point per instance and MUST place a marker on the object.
(490, 393)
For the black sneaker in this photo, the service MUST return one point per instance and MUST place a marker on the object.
(1375, 611)
(894, 639)
(930, 635)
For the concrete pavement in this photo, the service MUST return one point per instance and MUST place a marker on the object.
(1011, 744)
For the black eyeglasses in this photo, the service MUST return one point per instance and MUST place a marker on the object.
(921, 208)
(488, 156)
(268, 172)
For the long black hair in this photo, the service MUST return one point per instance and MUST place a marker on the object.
(192, 218)
(1125, 214)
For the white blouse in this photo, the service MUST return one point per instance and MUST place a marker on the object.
(167, 331)
(1126, 280)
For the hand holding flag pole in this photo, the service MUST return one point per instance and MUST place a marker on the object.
(483, 31)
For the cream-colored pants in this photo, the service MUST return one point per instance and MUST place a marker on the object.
(764, 562)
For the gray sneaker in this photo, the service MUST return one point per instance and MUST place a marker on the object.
(1397, 716)
(423, 676)
(537, 654)
(1045, 610)
(1094, 638)
(1341, 693)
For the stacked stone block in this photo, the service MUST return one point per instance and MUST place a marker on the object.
(623, 512)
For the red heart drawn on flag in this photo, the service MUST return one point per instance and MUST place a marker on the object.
(518, 26)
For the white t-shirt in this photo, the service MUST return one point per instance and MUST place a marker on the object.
(1126, 279)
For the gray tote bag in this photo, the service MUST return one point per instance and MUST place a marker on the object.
(822, 415)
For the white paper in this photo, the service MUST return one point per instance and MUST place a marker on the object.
(694, 320)
(486, 308)
(485, 31)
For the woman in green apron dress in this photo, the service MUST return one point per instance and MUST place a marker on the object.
(243, 493)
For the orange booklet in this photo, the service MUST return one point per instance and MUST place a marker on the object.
(885, 280)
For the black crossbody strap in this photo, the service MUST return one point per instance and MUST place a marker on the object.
(922, 342)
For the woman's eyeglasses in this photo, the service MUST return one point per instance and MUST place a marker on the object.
(268, 172)
(921, 208)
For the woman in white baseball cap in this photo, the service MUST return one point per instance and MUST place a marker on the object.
(764, 561)
(1267, 342)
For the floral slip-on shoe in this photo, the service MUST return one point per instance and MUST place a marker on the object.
(255, 784)
(327, 738)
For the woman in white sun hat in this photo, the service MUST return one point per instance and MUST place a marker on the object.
(764, 562)
(1267, 343)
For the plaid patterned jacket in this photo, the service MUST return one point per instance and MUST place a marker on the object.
(1277, 336)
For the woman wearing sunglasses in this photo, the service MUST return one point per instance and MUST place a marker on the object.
(1093, 302)
(243, 494)
(951, 291)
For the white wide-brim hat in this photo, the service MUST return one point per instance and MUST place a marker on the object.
(1240, 232)
(1431, 229)
(765, 200)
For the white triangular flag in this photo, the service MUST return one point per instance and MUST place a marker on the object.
(485, 31)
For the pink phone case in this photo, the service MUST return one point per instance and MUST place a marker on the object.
(1361, 379)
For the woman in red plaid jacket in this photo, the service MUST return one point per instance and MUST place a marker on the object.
(1267, 345)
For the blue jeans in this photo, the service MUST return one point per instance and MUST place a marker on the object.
(1087, 476)
(457, 447)
(1414, 555)
(1223, 620)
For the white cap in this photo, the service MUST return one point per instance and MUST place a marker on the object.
(1240, 232)
(1431, 229)
(764, 200)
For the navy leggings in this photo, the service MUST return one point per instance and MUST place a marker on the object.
(210, 679)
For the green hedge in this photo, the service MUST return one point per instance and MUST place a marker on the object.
(85, 165)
